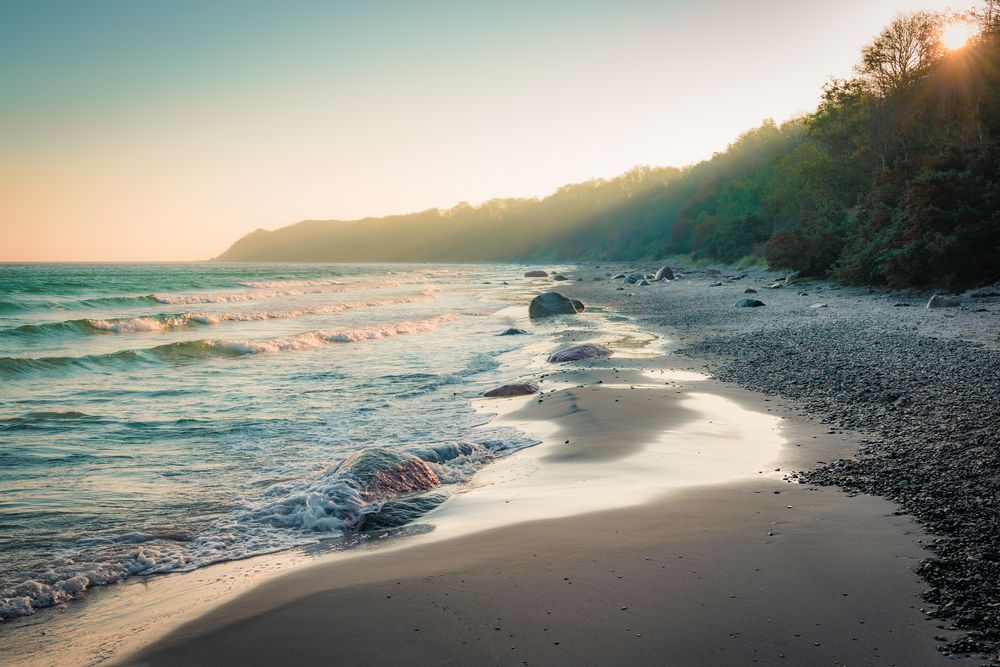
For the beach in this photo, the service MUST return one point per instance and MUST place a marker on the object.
(762, 570)
(681, 508)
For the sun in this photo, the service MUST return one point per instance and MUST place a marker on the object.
(957, 35)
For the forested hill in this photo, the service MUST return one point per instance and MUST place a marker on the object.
(894, 179)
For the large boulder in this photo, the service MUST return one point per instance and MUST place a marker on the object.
(941, 301)
(378, 473)
(578, 352)
(549, 305)
(749, 303)
(665, 273)
(512, 389)
(536, 274)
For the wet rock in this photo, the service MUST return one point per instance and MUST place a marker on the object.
(379, 473)
(536, 274)
(549, 305)
(579, 352)
(512, 389)
(559, 277)
(578, 305)
(777, 285)
(514, 332)
(941, 301)
(792, 277)
(633, 278)
(749, 303)
(749, 290)
(643, 283)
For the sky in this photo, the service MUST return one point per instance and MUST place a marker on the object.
(149, 131)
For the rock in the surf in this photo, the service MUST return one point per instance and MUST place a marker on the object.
(536, 274)
(512, 389)
(379, 473)
(579, 352)
(514, 332)
(559, 277)
(549, 305)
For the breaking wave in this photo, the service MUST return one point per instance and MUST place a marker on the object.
(172, 321)
(203, 349)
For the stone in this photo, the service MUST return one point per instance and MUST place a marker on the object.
(792, 277)
(715, 285)
(618, 276)
(536, 274)
(549, 305)
(379, 473)
(749, 303)
(578, 352)
(665, 273)
(777, 285)
(560, 277)
(513, 389)
(818, 305)
(941, 301)
(578, 305)
(749, 290)
(643, 283)
(633, 278)
(514, 332)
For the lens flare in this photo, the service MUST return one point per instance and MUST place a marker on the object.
(957, 35)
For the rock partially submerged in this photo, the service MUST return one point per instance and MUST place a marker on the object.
(512, 389)
(550, 304)
(749, 303)
(941, 301)
(379, 473)
(579, 352)
(559, 277)
(665, 273)
(536, 274)
(514, 332)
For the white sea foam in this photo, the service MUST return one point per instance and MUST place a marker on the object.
(158, 323)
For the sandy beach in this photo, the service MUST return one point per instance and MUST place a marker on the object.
(755, 569)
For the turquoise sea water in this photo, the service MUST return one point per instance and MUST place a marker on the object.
(157, 418)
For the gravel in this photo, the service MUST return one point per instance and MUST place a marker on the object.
(922, 386)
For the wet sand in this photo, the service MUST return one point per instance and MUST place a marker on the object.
(750, 570)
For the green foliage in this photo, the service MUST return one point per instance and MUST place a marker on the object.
(893, 179)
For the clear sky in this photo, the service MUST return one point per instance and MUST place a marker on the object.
(166, 130)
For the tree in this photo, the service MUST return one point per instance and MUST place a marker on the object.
(903, 53)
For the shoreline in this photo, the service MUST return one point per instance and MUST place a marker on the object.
(801, 540)
(839, 572)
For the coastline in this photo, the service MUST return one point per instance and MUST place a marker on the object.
(756, 570)
(750, 568)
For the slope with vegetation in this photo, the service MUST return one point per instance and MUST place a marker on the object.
(894, 179)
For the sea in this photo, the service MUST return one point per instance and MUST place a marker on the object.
(159, 418)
